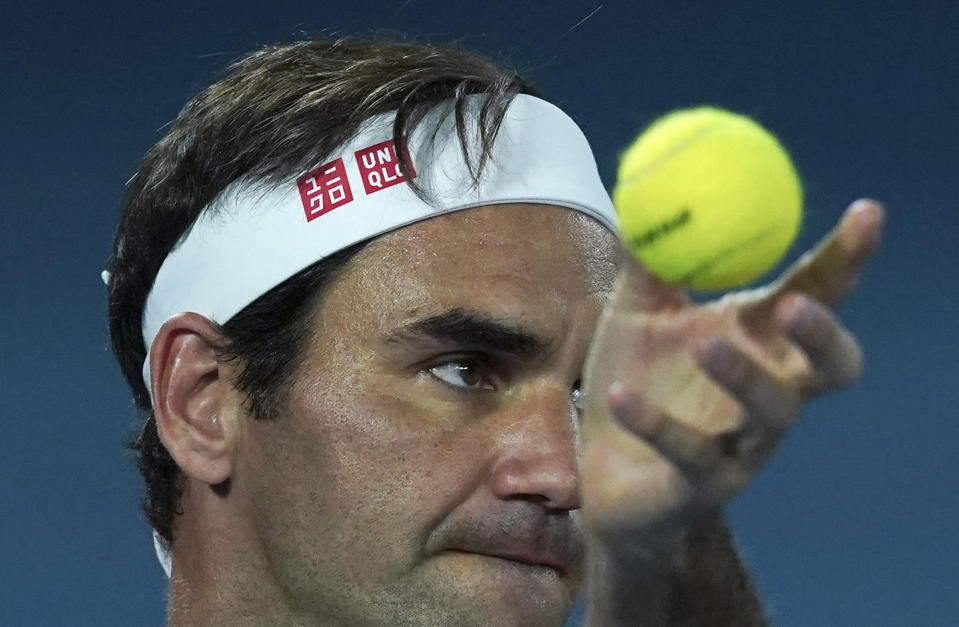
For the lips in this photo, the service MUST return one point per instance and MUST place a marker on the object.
(519, 531)
(551, 559)
(559, 551)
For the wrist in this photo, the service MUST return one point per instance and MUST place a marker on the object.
(629, 579)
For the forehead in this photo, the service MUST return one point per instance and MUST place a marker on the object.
(502, 257)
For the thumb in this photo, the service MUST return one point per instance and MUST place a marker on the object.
(639, 290)
(830, 271)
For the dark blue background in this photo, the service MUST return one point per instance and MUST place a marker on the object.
(853, 524)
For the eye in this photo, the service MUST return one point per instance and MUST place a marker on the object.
(577, 396)
(465, 374)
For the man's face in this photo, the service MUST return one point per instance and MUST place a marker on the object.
(424, 469)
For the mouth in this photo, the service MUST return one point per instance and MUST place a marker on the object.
(546, 559)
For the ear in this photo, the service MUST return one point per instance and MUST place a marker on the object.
(197, 416)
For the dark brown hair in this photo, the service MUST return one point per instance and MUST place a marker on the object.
(278, 113)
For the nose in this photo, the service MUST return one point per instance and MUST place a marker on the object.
(536, 456)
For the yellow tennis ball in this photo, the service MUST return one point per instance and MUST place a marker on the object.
(707, 198)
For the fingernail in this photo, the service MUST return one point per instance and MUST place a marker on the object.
(868, 212)
(621, 402)
(863, 204)
(624, 405)
(790, 308)
(724, 362)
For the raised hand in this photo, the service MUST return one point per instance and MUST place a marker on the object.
(686, 402)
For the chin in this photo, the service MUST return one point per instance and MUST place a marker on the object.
(505, 592)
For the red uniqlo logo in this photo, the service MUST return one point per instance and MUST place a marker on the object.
(324, 189)
(379, 166)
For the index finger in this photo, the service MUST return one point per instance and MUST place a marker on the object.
(829, 271)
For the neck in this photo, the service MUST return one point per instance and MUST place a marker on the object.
(219, 575)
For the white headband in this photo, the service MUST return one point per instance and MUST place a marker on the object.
(254, 236)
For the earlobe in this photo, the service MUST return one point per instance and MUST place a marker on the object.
(191, 399)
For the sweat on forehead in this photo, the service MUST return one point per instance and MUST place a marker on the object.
(466, 235)
(508, 279)
(495, 259)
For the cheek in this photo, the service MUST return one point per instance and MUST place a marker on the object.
(370, 470)
(393, 455)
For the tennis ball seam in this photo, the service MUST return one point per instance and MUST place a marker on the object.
(726, 253)
(672, 152)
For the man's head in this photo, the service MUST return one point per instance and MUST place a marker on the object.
(279, 112)
(389, 435)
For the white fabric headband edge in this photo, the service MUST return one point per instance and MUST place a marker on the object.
(251, 238)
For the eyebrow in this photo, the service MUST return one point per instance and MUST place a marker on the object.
(476, 329)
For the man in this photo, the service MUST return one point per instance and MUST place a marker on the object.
(396, 370)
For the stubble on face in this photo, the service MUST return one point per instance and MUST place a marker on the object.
(375, 494)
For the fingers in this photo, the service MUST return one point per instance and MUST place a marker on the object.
(694, 452)
(770, 405)
(830, 271)
(769, 408)
(833, 352)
